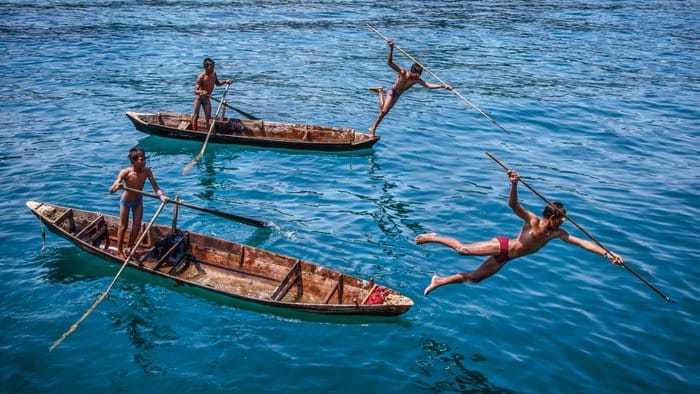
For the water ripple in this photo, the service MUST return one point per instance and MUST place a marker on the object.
(599, 99)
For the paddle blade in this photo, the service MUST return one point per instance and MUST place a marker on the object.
(187, 169)
(247, 115)
(241, 219)
(230, 216)
(240, 111)
(189, 166)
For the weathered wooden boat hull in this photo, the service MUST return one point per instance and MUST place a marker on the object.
(226, 267)
(253, 132)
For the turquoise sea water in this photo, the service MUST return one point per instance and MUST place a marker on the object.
(601, 101)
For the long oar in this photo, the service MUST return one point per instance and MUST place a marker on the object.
(438, 78)
(188, 167)
(594, 239)
(240, 219)
(247, 115)
(104, 294)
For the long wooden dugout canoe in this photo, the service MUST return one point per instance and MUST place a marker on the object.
(226, 267)
(253, 132)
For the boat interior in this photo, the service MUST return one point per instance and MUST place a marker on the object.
(220, 265)
(259, 129)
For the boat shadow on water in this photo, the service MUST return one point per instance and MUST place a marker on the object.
(169, 147)
(67, 265)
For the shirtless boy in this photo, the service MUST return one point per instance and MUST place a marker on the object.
(135, 178)
(203, 87)
(404, 81)
(535, 233)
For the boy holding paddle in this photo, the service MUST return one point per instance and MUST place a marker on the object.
(203, 87)
(403, 82)
(535, 233)
(133, 177)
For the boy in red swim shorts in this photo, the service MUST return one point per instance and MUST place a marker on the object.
(534, 234)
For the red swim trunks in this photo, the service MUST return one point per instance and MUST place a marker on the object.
(502, 256)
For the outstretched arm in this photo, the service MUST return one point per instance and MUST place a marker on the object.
(434, 85)
(591, 247)
(390, 58)
(513, 203)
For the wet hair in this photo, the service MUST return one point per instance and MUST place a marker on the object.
(416, 68)
(208, 61)
(134, 153)
(554, 213)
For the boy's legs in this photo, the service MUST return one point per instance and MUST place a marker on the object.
(195, 116)
(482, 248)
(123, 224)
(379, 90)
(385, 105)
(136, 227)
(486, 269)
(207, 112)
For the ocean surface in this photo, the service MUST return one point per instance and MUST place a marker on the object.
(600, 103)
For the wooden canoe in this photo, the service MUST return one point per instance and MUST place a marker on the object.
(226, 267)
(253, 132)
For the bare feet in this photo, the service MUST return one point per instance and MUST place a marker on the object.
(423, 238)
(376, 90)
(371, 131)
(434, 284)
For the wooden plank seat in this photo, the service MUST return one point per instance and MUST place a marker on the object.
(100, 234)
(372, 286)
(338, 288)
(165, 258)
(87, 230)
(67, 214)
(242, 257)
(64, 215)
(292, 278)
(184, 125)
(183, 261)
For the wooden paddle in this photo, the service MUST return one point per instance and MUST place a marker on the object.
(188, 167)
(240, 219)
(594, 239)
(438, 78)
(104, 294)
(247, 115)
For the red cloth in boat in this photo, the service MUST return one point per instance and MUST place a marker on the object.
(377, 296)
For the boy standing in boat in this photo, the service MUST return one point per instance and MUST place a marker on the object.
(203, 87)
(135, 178)
(535, 233)
(403, 82)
